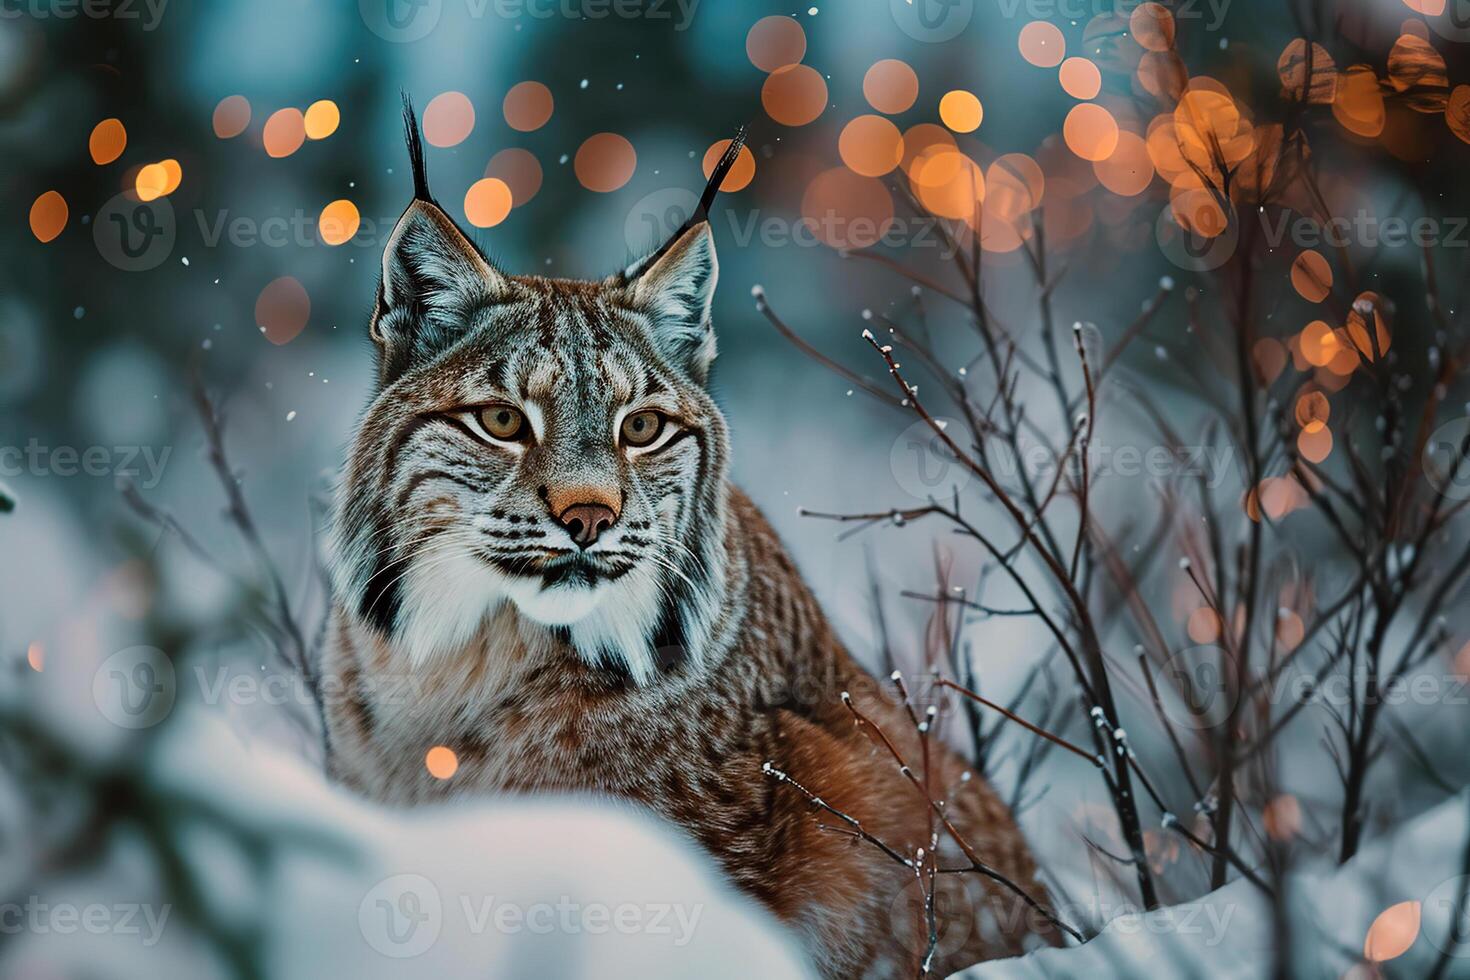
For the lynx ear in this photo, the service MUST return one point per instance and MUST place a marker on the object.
(676, 284)
(433, 276)
(677, 291)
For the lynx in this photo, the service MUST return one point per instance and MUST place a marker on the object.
(535, 527)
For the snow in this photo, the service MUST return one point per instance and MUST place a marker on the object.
(1229, 933)
(555, 887)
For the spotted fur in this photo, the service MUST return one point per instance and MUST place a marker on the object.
(663, 664)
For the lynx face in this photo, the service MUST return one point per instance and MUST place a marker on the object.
(548, 443)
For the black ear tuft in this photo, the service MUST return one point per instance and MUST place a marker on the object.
(717, 176)
(700, 215)
(415, 151)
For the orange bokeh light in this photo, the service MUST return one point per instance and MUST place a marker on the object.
(527, 106)
(794, 95)
(487, 202)
(1313, 410)
(157, 180)
(1392, 932)
(322, 119)
(1153, 26)
(441, 762)
(870, 145)
(1311, 276)
(1203, 625)
(1359, 106)
(921, 145)
(891, 86)
(108, 140)
(1080, 78)
(961, 111)
(48, 216)
(284, 132)
(742, 172)
(1128, 170)
(449, 118)
(1091, 132)
(231, 116)
(605, 162)
(775, 42)
(1358, 339)
(338, 222)
(282, 310)
(845, 210)
(961, 195)
(520, 170)
(1042, 44)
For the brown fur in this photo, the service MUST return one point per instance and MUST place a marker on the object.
(525, 714)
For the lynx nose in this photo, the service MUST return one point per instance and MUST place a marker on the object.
(584, 522)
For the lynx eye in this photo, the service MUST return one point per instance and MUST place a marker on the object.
(642, 428)
(503, 422)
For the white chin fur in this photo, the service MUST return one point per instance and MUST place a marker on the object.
(559, 606)
(446, 600)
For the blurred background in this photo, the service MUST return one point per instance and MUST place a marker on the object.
(204, 189)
